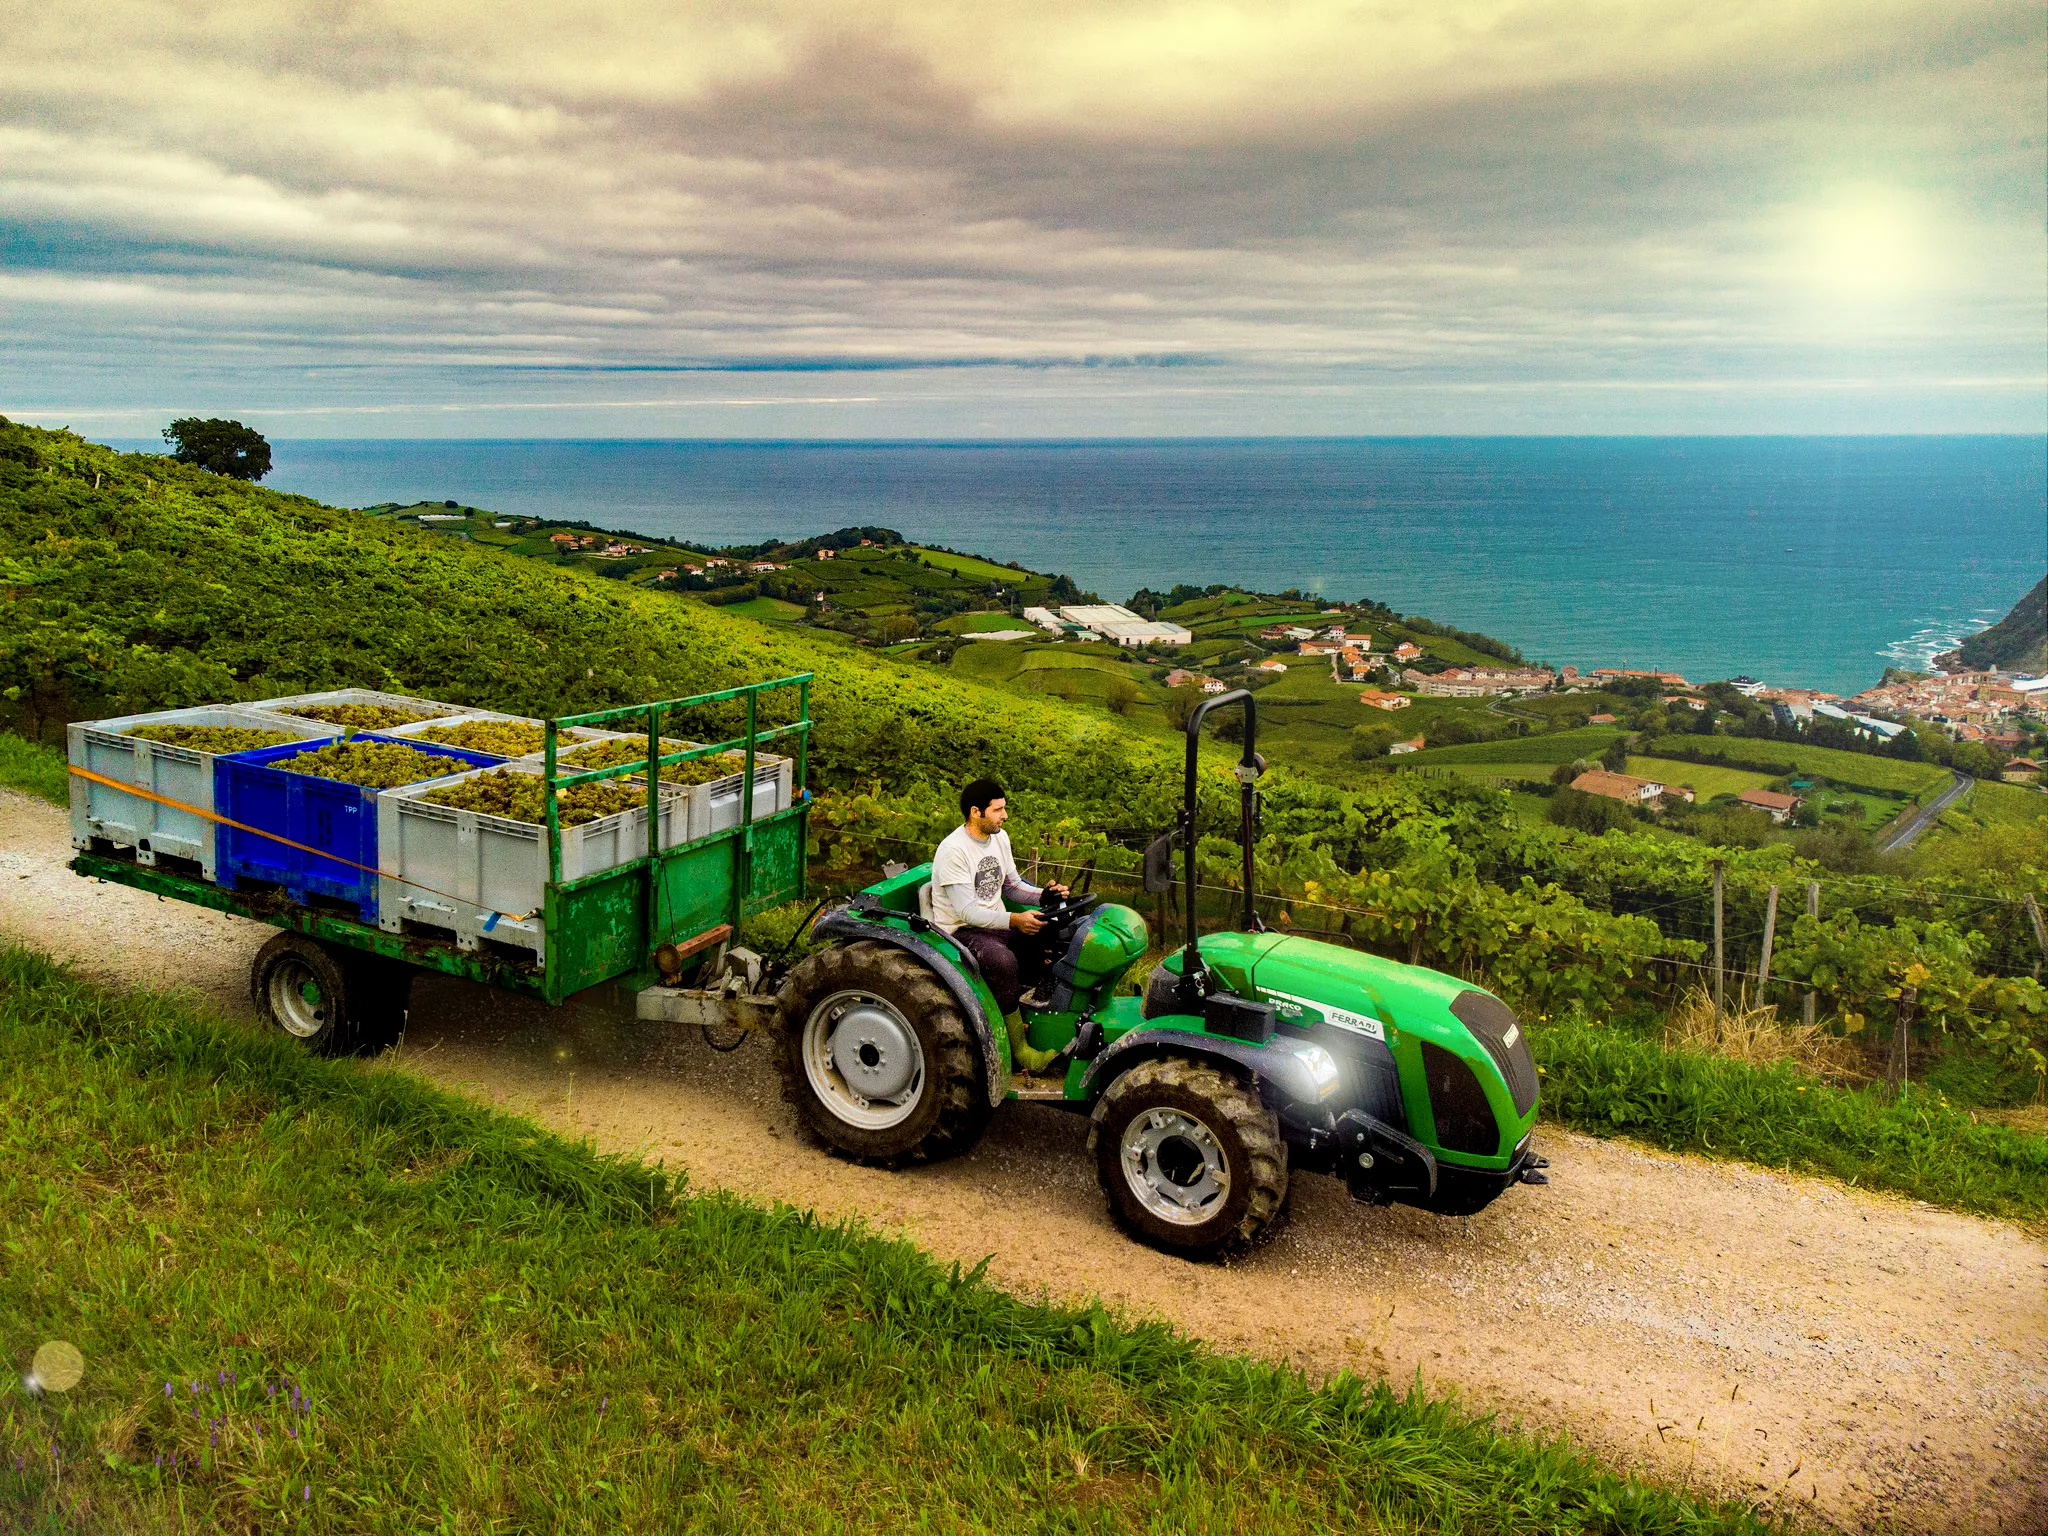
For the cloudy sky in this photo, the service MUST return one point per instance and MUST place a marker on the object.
(354, 218)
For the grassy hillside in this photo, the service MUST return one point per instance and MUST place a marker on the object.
(136, 583)
(1705, 780)
(1852, 769)
(1587, 741)
(2018, 642)
(314, 1296)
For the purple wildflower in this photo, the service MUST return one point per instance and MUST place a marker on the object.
(291, 1431)
(167, 1389)
(309, 1493)
(269, 1391)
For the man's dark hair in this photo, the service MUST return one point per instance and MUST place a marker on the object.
(976, 796)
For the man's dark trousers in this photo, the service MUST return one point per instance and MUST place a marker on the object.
(1009, 960)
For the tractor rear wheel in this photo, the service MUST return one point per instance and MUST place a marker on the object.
(1189, 1158)
(877, 1059)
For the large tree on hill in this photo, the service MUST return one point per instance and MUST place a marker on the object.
(222, 447)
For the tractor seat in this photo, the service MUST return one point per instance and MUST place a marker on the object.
(924, 901)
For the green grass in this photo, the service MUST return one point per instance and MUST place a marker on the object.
(968, 565)
(2007, 805)
(317, 1297)
(1887, 774)
(33, 767)
(1612, 1082)
(770, 608)
(1587, 741)
(1071, 659)
(982, 623)
(990, 661)
(1705, 780)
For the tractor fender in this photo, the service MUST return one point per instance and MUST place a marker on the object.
(1275, 1063)
(846, 925)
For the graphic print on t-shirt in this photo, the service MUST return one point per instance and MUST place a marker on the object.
(988, 878)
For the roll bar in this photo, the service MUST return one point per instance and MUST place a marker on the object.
(1249, 766)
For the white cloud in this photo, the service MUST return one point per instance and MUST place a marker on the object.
(1476, 195)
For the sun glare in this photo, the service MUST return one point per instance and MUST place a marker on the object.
(1865, 246)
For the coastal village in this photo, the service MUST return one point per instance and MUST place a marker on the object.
(1038, 632)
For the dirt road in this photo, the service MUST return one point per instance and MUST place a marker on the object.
(1853, 1357)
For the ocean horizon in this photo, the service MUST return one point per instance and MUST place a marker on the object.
(1803, 560)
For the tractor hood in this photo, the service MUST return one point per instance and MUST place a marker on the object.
(1466, 1073)
(1311, 982)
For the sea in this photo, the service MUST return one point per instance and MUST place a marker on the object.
(1808, 561)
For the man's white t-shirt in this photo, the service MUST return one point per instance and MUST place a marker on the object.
(970, 878)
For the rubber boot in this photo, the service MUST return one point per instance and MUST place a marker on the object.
(1022, 1052)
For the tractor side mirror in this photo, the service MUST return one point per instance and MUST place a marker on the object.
(1159, 863)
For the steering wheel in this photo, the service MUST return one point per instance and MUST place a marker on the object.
(1066, 909)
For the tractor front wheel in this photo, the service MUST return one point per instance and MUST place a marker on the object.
(877, 1059)
(1190, 1159)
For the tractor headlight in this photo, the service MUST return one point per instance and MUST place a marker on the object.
(1321, 1067)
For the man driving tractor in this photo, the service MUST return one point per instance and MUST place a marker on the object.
(972, 872)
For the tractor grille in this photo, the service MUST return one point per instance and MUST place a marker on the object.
(1493, 1024)
(1464, 1119)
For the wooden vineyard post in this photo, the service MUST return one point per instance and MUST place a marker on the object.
(2040, 932)
(1718, 952)
(1812, 910)
(1763, 971)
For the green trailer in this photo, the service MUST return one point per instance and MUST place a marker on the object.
(650, 924)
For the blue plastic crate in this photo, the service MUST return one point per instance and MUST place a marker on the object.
(335, 824)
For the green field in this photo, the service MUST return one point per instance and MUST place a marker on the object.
(1705, 781)
(770, 608)
(1587, 741)
(2006, 805)
(981, 623)
(318, 1296)
(1068, 658)
(969, 566)
(1881, 773)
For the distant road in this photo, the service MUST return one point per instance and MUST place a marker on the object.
(1925, 817)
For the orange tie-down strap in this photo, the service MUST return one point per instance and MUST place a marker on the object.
(206, 815)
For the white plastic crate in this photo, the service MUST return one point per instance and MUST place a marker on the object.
(715, 805)
(432, 707)
(125, 820)
(457, 870)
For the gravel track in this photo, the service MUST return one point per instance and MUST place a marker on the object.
(1855, 1360)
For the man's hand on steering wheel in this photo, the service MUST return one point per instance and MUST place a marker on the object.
(1026, 922)
(1054, 888)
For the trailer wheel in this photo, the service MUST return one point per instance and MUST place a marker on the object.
(876, 1058)
(333, 1001)
(1189, 1159)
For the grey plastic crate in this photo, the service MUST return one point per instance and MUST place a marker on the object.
(371, 696)
(100, 812)
(458, 870)
(715, 805)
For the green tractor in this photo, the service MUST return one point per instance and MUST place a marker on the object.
(1252, 1055)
